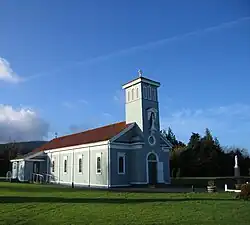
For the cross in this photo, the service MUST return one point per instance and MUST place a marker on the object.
(140, 73)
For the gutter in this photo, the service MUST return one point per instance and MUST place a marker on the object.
(109, 170)
(89, 166)
(73, 168)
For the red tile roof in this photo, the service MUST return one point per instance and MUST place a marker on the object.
(86, 137)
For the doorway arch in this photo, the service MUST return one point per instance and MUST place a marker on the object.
(151, 163)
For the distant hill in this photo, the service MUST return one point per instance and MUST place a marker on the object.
(22, 147)
(12, 150)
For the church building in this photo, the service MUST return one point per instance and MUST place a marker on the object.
(121, 154)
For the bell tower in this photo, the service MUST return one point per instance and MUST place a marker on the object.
(142, 107)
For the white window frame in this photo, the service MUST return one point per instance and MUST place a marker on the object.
(80, 157)
(65, 158)
(137, 92)
(123, 155)
(132, 93)
(128, 96)
(98, 170)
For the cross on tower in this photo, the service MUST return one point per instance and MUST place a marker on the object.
(140, 73)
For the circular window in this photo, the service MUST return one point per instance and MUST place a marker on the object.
(151, 140)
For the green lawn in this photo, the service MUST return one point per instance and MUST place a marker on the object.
(43, 204)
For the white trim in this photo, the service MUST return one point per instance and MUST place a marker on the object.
(160, 172)
(28, 157)
(34, 160)
(120, 185)
(109, 167)
(123, 155)
(231, 190)
(138, 183)
(165, 149)
(80, 184)
(16, 160)
(122, 133)
(98, 155)
(141, 79)
(128, 144)
(166, 141)
(28, 160)
(75, 147)
(121, 146)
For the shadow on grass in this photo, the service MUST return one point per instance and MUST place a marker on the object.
(18, 199)
(36, 188)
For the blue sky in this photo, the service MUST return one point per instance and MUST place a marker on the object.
(66, 61)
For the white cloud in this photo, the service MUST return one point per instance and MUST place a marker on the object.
(68, 105)
(6, 72)
(145, 46)
(108, 115)
(229, 123)
(83, 101)
(74, 104)
(163, 41)
(21, 125)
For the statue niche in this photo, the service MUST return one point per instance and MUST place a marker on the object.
(152, 120)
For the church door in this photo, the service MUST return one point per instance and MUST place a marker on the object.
(152, 169)
(36, 167)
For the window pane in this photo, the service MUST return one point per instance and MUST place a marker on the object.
(98, 164)
(121, 164)
(53, 166)
(65, 165)
(80, 165)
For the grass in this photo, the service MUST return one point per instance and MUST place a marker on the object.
(44, 204)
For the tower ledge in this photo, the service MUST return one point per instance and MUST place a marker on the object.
(140, 79)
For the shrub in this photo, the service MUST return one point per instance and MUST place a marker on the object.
(245, 192)
(174, 172)
(178, 173)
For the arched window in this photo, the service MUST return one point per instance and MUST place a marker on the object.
(98, 164)
(121, 163)
(137, 93)
(152, 157)
(128, 96)
(132, 94)
(80, 165)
